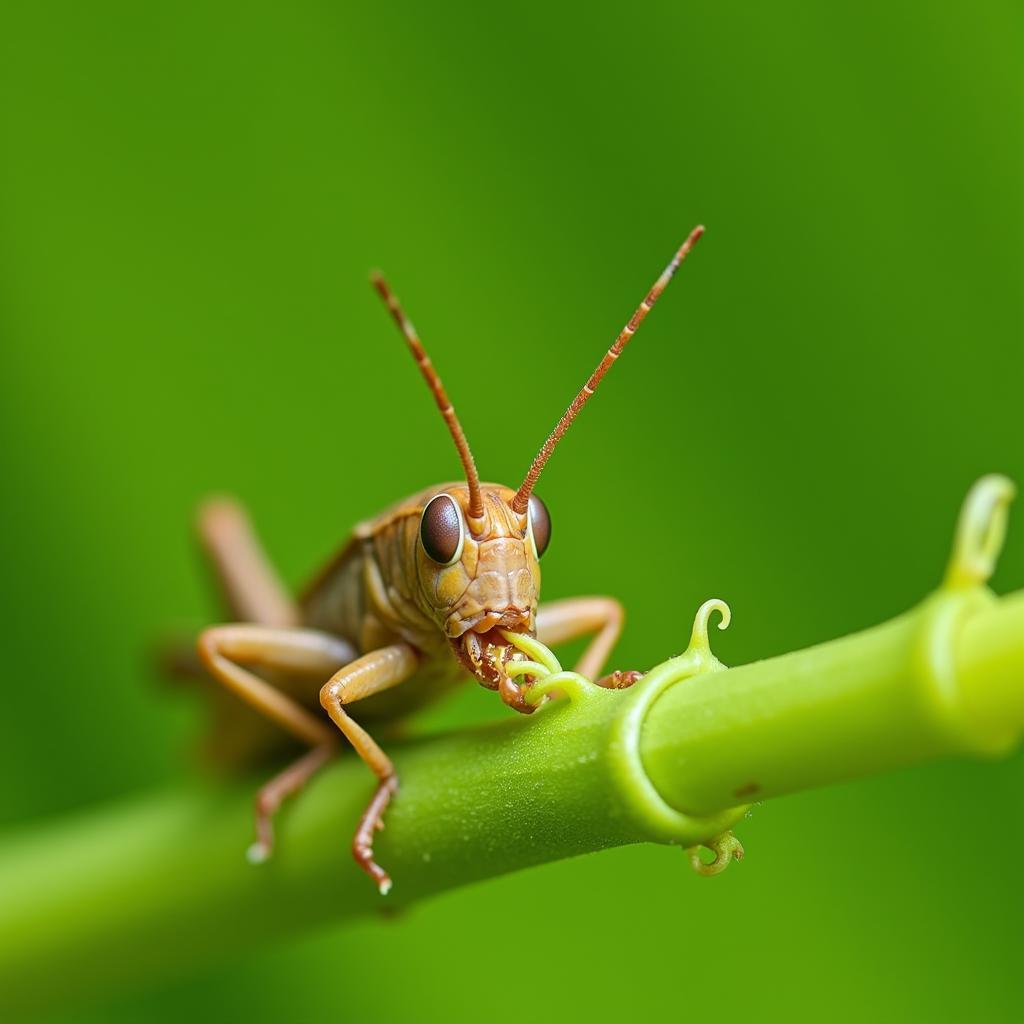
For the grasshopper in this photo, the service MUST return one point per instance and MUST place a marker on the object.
(417, 599)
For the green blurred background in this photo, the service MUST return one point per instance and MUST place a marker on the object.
(191, 196)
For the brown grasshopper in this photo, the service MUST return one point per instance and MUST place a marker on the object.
(419, 596)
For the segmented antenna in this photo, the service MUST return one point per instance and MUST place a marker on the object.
(521, 499)
(476, 504)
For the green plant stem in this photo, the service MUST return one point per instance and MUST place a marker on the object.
(852, 707)
(122, 896)
(150, 887)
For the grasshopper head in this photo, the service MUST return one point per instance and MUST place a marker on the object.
(480, 573)
(479, 544)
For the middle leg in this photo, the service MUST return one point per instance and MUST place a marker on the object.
(227, 650)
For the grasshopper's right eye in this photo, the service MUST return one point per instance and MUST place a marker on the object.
(441, 530)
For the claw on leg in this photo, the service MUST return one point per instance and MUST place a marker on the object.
(619, 680)
(371, 822)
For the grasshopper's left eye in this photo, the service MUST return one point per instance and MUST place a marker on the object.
(441, 532)
(540, 524)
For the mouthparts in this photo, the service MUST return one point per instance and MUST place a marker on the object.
(486, 655)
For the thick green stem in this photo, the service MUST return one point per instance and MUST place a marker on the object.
(852, 707)
(121, 896)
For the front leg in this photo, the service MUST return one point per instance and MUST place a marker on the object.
(379, 670)
(561, 621)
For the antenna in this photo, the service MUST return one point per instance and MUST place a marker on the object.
(476, 504)
(521, 499)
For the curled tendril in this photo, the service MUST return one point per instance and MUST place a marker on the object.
(726, 849)
(572, 684)
(534, 650)
(515, 669)
(699, 637)
(551, 679)
(980, 532)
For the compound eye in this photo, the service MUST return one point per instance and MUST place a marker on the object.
(441, 530)
(540, 524)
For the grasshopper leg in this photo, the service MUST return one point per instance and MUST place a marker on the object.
(273, 793)
(379, 670)
(226, 650)
(561, 621)
(250, 586)
(251, 590)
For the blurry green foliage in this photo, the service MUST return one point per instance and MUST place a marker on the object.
(190, 198)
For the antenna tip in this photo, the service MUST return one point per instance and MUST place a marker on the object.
(381, 286)
(697, 232)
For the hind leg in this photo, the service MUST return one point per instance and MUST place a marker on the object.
(252, 590)
(249, 586)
